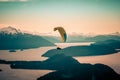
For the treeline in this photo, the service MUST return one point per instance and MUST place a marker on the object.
(21, 41)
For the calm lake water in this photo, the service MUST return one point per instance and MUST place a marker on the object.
(112, 60)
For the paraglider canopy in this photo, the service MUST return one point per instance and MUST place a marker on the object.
(62, 33)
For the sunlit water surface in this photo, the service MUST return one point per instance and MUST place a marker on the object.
(112, 60)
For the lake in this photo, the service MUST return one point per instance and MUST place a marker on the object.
(111, 60)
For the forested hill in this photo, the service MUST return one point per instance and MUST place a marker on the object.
(22, 41)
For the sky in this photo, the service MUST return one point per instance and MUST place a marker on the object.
(76, 16)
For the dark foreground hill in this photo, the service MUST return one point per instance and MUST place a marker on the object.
(56, 62)
(84, 72)
(98, 48)
(67, 68)
(81, 51)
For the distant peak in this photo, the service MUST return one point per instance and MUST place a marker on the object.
(10, 29)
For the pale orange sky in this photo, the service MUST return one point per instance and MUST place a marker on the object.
(74, 17)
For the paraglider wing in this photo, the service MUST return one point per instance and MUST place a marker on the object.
(62, 33)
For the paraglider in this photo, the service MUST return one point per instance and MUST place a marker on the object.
(62, 33)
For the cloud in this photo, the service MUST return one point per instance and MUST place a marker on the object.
(13, 0)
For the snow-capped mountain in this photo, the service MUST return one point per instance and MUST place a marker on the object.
(10, 29)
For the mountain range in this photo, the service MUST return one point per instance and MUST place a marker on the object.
(20, 39)
(12, 38)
